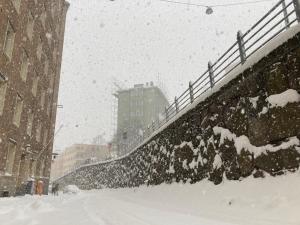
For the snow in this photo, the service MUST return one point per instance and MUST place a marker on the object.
(217, 162)
(254, 101)
(268, 201)
(243, 142)
(282, 99)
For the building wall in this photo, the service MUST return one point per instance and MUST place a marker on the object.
(76, 156)
(137, 108)
(38, 30)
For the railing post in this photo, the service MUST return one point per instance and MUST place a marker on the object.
(285, 14)
(176, 105)
(148, 127)
(167, 114)
(153, 125)
(297, 9)
(240, 41)
(191, 92)
(211, 74)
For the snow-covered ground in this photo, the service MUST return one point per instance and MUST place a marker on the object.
(269, 201)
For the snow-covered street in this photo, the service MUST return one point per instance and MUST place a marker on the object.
(269, 201)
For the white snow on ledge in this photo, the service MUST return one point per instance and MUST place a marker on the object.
(253, 59)
(243, 142)
(282, 99)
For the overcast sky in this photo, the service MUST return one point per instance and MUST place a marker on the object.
(136, 41)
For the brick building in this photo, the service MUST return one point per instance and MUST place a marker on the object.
(31, 43)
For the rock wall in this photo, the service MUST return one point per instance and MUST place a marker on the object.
(250, 127)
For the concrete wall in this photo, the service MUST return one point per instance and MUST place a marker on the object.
(237, 132)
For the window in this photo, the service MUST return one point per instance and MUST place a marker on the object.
(54, 55)
(35, 83)
(44, 16)
(49, 106)
(29, 123)
(57, 29)
(18, 110)
(9, 40)
(24, 65)
(39, 48)
(46, 67)
(53, 9)
(38, 131)
(17, 4)
(3, 87)
(45, 138)
(32, 167)
(30, 26)
(10, 157)
(51, 85)
(43, 97)
(42, 167)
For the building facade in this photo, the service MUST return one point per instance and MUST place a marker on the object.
(76, 156)
(31, 44)
(137, 108)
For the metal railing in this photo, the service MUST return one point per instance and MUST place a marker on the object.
(279, 18)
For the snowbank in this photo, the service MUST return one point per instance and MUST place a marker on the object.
(268, 201)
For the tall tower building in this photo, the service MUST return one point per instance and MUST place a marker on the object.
(31, 44)
(137, 108)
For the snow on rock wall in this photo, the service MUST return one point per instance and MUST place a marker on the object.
(251, 127)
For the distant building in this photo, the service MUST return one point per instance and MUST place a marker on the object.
(137, 108)
(76, 156)
(31, 44)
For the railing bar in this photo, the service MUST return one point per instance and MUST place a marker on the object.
(259, 21)
(168, 110)
(173, 104)
(199, 78)
(183, 102)
(207, 83)
(270, 20)
(202, 82)
(205, 90)
(220, 78)
(186, 96)
(228, 65)
(215, 69)
(225, 53)
(186, 91)
(278, 32)
(268, 31)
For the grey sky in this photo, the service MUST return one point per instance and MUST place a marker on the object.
(135, 41)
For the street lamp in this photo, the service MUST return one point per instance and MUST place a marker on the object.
(209, 10)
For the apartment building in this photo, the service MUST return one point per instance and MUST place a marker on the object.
(137, 108)
(31, 44)
(76, 156)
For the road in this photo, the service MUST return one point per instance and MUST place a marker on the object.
(269, 201)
